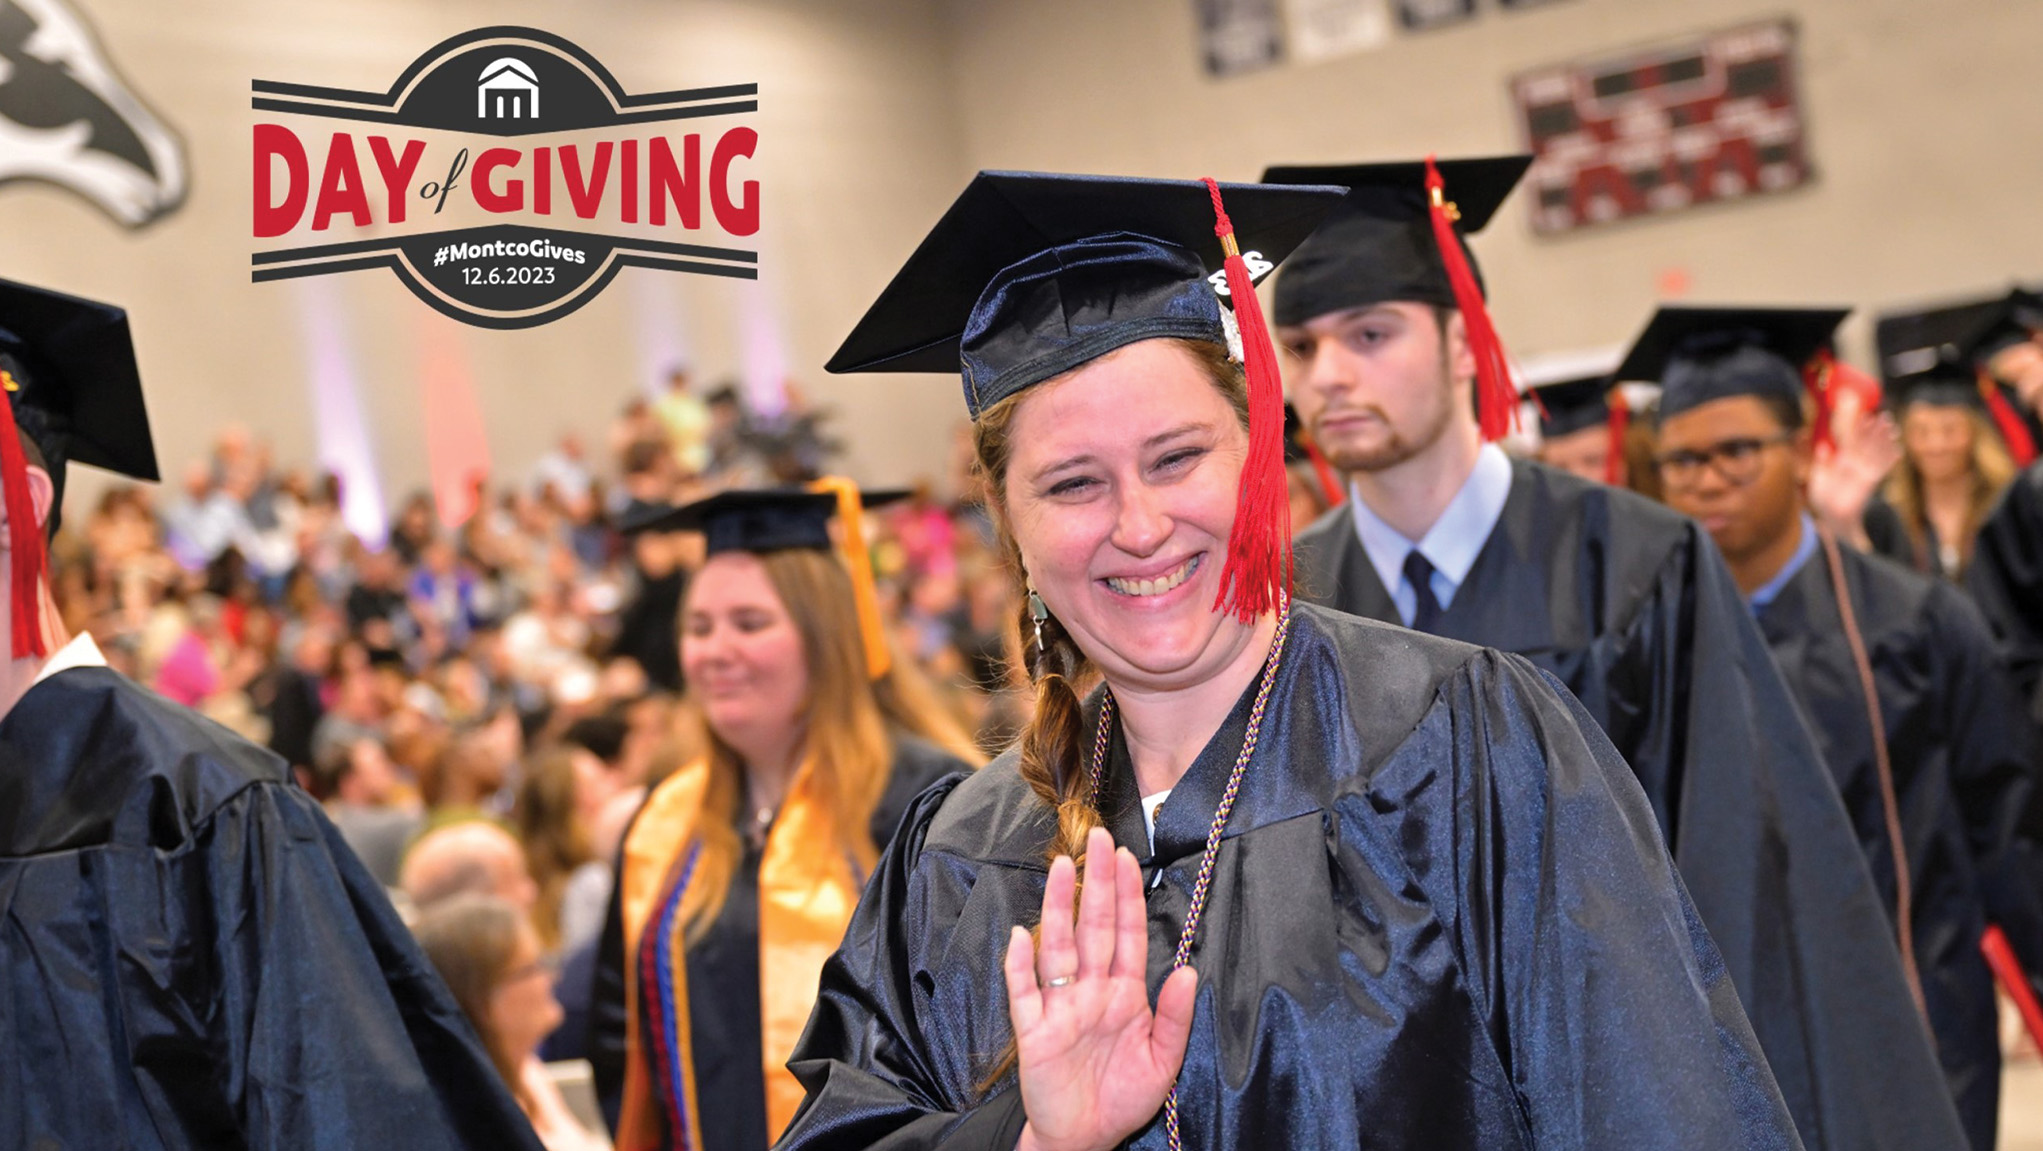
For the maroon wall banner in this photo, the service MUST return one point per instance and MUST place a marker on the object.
(1664, 129)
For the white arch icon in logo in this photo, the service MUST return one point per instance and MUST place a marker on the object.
(509, 90)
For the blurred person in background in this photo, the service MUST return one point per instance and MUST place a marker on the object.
(490, 959)
(563, 792)
(368, 803)
(467, 857)
(413, 528)
(686, 420)
(471, 774)
(1952, 470)
(745, 863)
(2007, 577)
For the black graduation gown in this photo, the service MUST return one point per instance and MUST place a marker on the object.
(1631, 607)
(723, 980)
(193, 957)
(1441, 917)
(2006, 579)
(1965, 780)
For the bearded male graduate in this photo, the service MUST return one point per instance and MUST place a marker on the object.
(192, 958)
(1383, 318)
(1950, 776)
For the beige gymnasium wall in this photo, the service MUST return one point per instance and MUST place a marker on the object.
(1925, 125)
(858, 151)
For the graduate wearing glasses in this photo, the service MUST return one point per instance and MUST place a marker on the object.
(1937, 764)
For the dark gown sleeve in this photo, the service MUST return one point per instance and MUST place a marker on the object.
(2006, 578)
(1588, 962)
(861, 1059)
(337, 1030)
(1769, 855)
(607, 1022)
(1997, 773)
(1888, 535)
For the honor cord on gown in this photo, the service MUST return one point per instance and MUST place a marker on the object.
(656, 977)
(1204, 882)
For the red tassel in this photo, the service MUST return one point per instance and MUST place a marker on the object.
(2001, 957)
(1828, 379)
(1816, 380)
(1258, 573)
(2013, 432)
(1496, 399)
(1329, 483)
(24, 540)
(1620, 423)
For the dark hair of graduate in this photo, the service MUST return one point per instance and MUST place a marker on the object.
(1054, 746)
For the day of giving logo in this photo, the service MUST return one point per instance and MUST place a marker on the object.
(505, 177)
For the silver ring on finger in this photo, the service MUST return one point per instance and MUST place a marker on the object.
(1062, 981)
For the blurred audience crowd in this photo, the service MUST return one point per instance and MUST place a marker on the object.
(482, 707)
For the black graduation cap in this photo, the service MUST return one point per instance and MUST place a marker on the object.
(1379, 244)
(72, 378)
(1573, 405)
(1936, 339)
(1029, 274)
(1945, 385)
(1702, 354)
(761, 520)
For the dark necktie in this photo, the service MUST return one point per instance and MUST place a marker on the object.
(1420, 574)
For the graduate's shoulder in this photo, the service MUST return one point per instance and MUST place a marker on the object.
(1389, 677)
(1559, 499)
(1386, 655)
(1900, 603)
(108, 746)
(989, 816)
(918, 765)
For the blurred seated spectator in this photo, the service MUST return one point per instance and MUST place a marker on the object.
(564, 791)
(366, 801)
(472, 857)
(490, 959)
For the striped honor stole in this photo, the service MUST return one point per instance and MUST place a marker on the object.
(808, 887)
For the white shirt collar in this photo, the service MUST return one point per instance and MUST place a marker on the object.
(1455, 539)
(80, 652)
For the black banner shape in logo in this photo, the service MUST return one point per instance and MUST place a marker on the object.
(512, 82)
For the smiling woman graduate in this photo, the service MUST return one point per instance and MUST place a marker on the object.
(1381, 889)
(740, 870)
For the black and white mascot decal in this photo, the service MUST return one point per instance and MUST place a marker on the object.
(67, 118)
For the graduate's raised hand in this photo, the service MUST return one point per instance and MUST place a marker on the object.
(1095, 1062)
(1844, 475)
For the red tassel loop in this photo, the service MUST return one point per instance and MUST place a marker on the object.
(24, 540)
(1828, 380)
(1816, 380)
(2013, 432)
(1496, 399)
(1258, 573)
(1620, 423)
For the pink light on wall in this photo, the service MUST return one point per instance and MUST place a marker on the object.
(342, 434)
(763, 348)
(457, 446)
